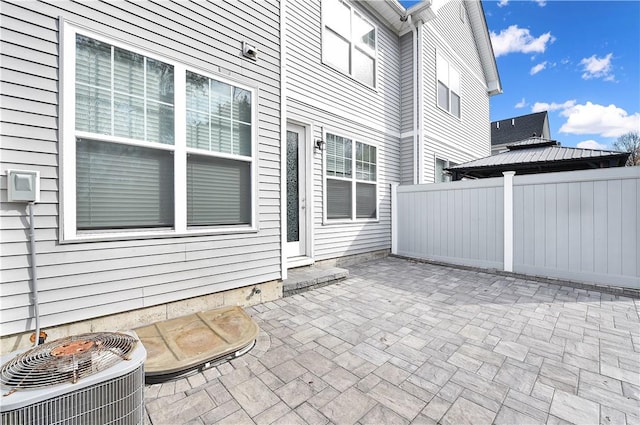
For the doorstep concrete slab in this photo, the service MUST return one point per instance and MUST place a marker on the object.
(306, 278)
(431, 344)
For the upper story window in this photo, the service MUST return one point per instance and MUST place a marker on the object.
(349, 41)
(448, 87)
(351, 179)
(151, 145)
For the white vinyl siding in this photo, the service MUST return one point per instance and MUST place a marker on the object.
(84, 280)
(131, 148)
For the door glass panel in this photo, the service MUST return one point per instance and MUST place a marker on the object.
(293, 218)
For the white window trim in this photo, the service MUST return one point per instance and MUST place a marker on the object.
(439, 58)
(330, 221)
(68, 135)
(352, 47)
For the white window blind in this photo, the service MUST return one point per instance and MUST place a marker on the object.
(218, 191)
(121, 187)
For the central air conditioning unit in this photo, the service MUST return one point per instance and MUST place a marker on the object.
(93, 378)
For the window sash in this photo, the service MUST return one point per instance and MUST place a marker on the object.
(339, 199)
(218, 191)
(122, 93)
(123, 186)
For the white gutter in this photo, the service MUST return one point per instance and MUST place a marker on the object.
(420, 106)
(423, 13)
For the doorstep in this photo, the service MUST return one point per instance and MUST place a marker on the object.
(305, 278)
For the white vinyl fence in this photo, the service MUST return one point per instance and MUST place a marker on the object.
(576, 225)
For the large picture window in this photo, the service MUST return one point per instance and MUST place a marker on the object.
(351, 179)
(349, 41)
(448, 87)
(151, 144)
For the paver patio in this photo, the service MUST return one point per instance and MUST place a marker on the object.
(404, 342)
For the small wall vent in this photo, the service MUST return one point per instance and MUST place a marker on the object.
(249, 51)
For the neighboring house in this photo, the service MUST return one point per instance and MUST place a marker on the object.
(508, 131)
(189, 151)
(537, 155)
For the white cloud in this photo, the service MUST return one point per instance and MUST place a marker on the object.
(539, 67)
(519, 40)
(503, 3)
(606, 121)
(521, 104)
(543, 106)
(541, 3)
(591, 144)
(595, 67)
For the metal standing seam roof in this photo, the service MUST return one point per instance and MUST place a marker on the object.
(536, 155)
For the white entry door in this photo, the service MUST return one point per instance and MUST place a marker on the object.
(296, 191)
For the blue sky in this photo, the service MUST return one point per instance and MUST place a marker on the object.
(580, 60)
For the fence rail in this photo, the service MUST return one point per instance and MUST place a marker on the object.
(577, 225)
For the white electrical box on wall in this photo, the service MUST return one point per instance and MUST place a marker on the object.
(23, 186)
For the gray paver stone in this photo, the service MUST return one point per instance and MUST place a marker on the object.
(295, 393)
(508, 416)
(574, 409)
(465, 412)
(254, 396)
(340, 378)
(397, 400)
(512, 349)
(382, 415)
(348, 407)
(310, 415)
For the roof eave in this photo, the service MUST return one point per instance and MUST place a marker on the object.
(485, 48)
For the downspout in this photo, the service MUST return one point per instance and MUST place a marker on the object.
(420, 105)
(418, 147)
(416, 139)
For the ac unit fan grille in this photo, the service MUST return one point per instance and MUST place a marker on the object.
(110, 402)
(66, 360)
